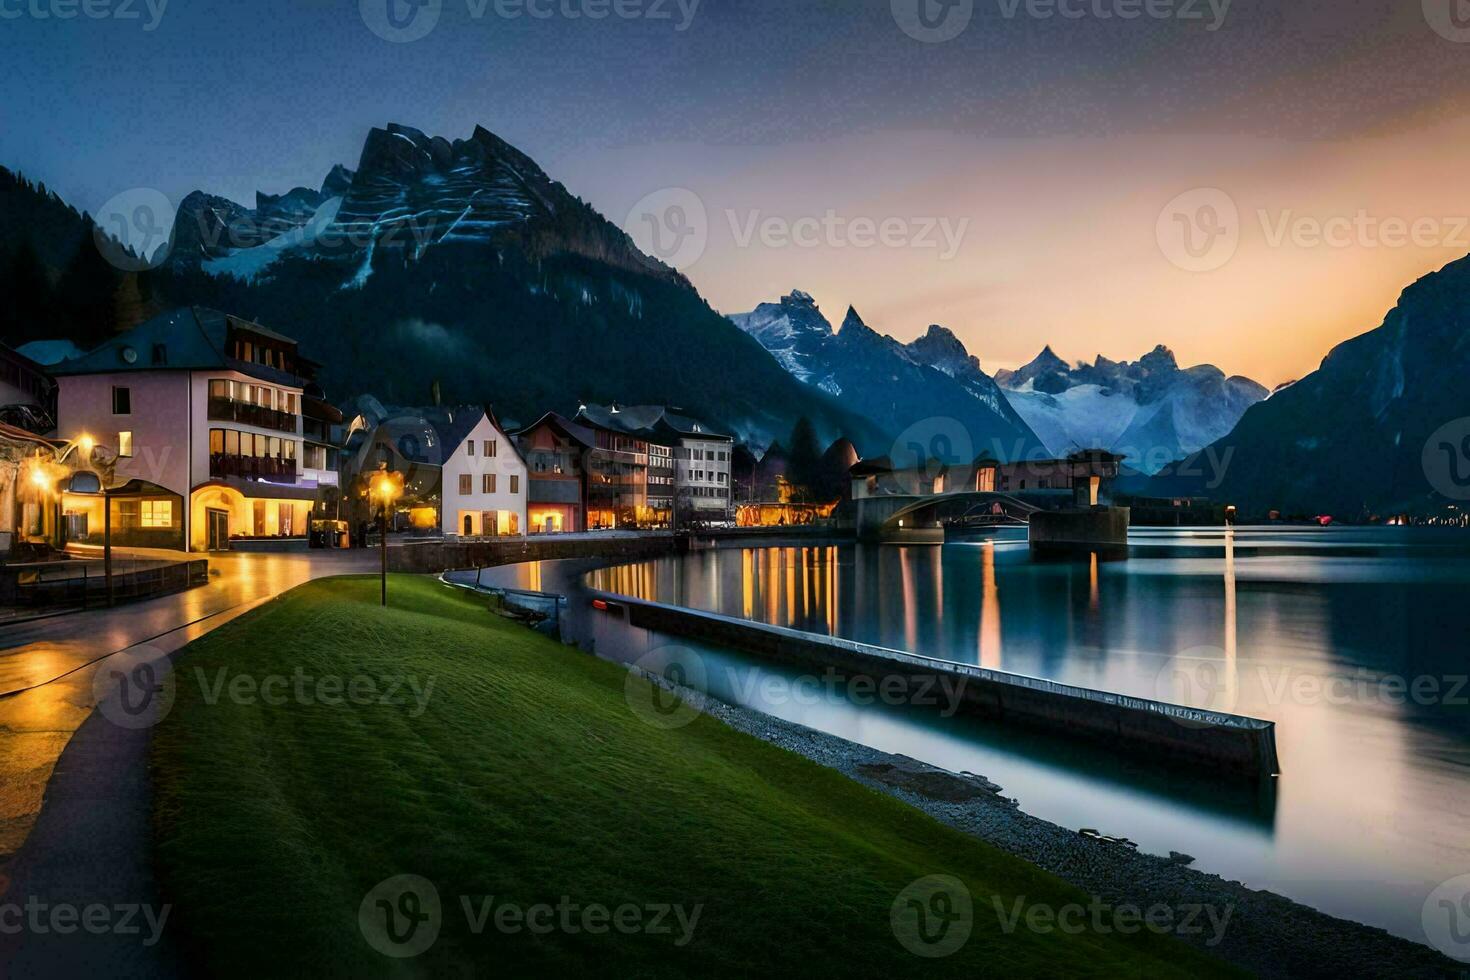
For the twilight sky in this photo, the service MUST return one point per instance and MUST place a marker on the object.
(1247, 182)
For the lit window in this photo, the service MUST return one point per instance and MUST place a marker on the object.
(125, 444)
(158, 513)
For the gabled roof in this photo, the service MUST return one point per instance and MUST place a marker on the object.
(646, 422)
(451, 426)
(686, 426)
(191, 338)
(568, 428)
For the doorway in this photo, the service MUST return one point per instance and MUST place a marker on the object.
(217, 523)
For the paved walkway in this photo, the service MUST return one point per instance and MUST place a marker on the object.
(94, 785)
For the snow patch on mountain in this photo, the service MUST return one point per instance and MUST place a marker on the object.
(1151, 411)
(247, 263)
(933, 382)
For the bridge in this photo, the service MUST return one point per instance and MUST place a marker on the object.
(920, 518)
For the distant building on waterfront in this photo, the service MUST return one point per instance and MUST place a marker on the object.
(687, 475)
(1078, 479)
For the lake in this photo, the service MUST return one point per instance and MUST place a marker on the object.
(1354, 641)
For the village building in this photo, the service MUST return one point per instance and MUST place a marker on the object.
(203, 414)
(464, 476)
(555, 449)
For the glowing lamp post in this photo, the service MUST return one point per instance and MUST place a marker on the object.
(386, 488)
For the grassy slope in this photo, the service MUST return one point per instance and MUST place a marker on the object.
(529, 778)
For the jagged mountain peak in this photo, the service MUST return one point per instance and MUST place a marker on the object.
(941, 349)
(793, 330)
(337, 182)
(898, 385)
(1160, 358)
(1149, 410)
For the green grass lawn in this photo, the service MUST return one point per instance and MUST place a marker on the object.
(528, 778)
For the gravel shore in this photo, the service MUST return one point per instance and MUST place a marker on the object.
(1266, 934)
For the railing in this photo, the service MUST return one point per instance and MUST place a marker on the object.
(227, 410)
(253, 467)
(83, 584)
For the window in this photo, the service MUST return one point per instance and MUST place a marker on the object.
(488, 481)
(466, 485)
(490, 448)
(515, 484)
(469, 448)
(125, 443)
(122, 401)
(158, 513)
(160, 354)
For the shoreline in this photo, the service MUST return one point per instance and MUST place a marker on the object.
(1268, 934)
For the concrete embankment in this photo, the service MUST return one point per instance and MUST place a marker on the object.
(1155, 730)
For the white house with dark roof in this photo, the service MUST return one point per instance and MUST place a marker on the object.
(203, 411)
(484, 488)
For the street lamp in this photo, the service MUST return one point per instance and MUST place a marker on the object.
(386, 488)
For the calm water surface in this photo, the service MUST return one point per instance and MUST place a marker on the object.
(1353, 641)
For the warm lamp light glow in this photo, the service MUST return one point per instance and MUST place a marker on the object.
(387, 487)
(86, 443)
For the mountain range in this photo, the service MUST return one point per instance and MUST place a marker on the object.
(460, 263)
(931, 393)
(1150, 411)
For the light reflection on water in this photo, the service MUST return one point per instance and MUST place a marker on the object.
(1313, 629)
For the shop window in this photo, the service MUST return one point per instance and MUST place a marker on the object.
(158, 513)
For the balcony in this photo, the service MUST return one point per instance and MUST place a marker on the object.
(227, 410)
(252, 468)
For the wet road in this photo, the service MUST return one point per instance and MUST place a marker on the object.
(47, 666)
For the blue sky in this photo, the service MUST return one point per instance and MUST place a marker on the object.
(794, 108)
